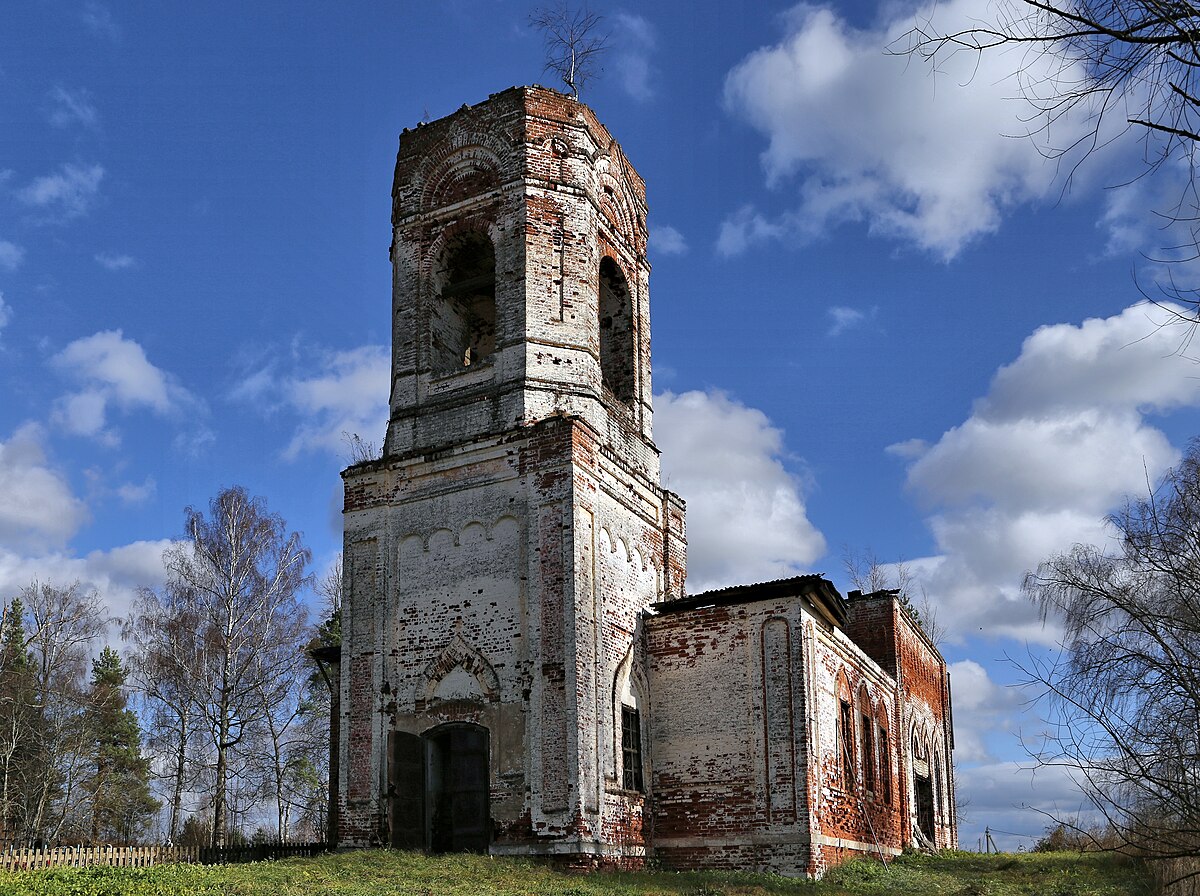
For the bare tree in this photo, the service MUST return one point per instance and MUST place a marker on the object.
(240, 572)
(574, 43)
(64, 624)
(165, 665)
(1123, 696)
(867, 573)
(1115, 65)
(1135, 59)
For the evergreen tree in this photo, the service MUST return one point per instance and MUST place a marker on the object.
(119, 788)
(19, 728)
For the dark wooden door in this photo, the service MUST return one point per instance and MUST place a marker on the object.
(406, 785)
(461, 818)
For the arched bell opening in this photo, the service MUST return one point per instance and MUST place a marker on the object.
(462, 318)
(617, 354)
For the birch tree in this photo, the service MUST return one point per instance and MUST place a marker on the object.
(239, 572)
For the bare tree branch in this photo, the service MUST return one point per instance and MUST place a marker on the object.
(573, 42)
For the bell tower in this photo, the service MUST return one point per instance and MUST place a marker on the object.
(499, 557)
(520, 276)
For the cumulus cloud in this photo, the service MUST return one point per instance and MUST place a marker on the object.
(11, 255)
(115, 574)
(633, 45)
(112, 370)
(982, 709)
(69, 193)
(72, 107)
(666, 240)
(872, 137)
(113, 261)
(1015, 801)
(746, 515)
(1060, 439)
(336, 393)
(37, 506)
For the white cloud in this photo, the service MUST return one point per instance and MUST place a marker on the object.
(112, 370)
(1015, 801)
(338, 393)
(114, 262)
(99, 21)
(37, 506)
(843, 318)
(746, 516)
(72, 107)
(116, 574)
(1060, 439)
(132, 494)
(876, 138)
(632, 45)
(982, 708)
(666, 240)
(5, 312)
(67, 194)
(11, 255)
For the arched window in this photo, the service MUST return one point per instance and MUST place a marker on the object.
(462, 319)
(617, 354)
(885, 764)
(629, 717)
(866, 716)
(845, 733)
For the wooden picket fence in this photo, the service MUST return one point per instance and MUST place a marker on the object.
(25, 859)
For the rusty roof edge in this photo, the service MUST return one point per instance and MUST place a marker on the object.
(814, 587)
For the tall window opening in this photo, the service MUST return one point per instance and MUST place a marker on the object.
(462, 320)
(631, 748)
(847, 737)
(868, 748)
(885, 765)
(617, 355)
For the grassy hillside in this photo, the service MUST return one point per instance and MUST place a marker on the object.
(383, 873)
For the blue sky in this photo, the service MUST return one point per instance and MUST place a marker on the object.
(883, 321)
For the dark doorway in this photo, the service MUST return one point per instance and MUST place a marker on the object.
(458, 789)
(406, 791)
(924, 789)
(439, 790)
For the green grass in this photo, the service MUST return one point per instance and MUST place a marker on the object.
(387, 873)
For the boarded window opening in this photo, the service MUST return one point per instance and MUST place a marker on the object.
(847, 737)
(885, 766)
(868, 736)
(617, 356)
(631, 748)
(462, 320)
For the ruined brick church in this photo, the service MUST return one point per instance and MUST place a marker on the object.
(522, 670)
